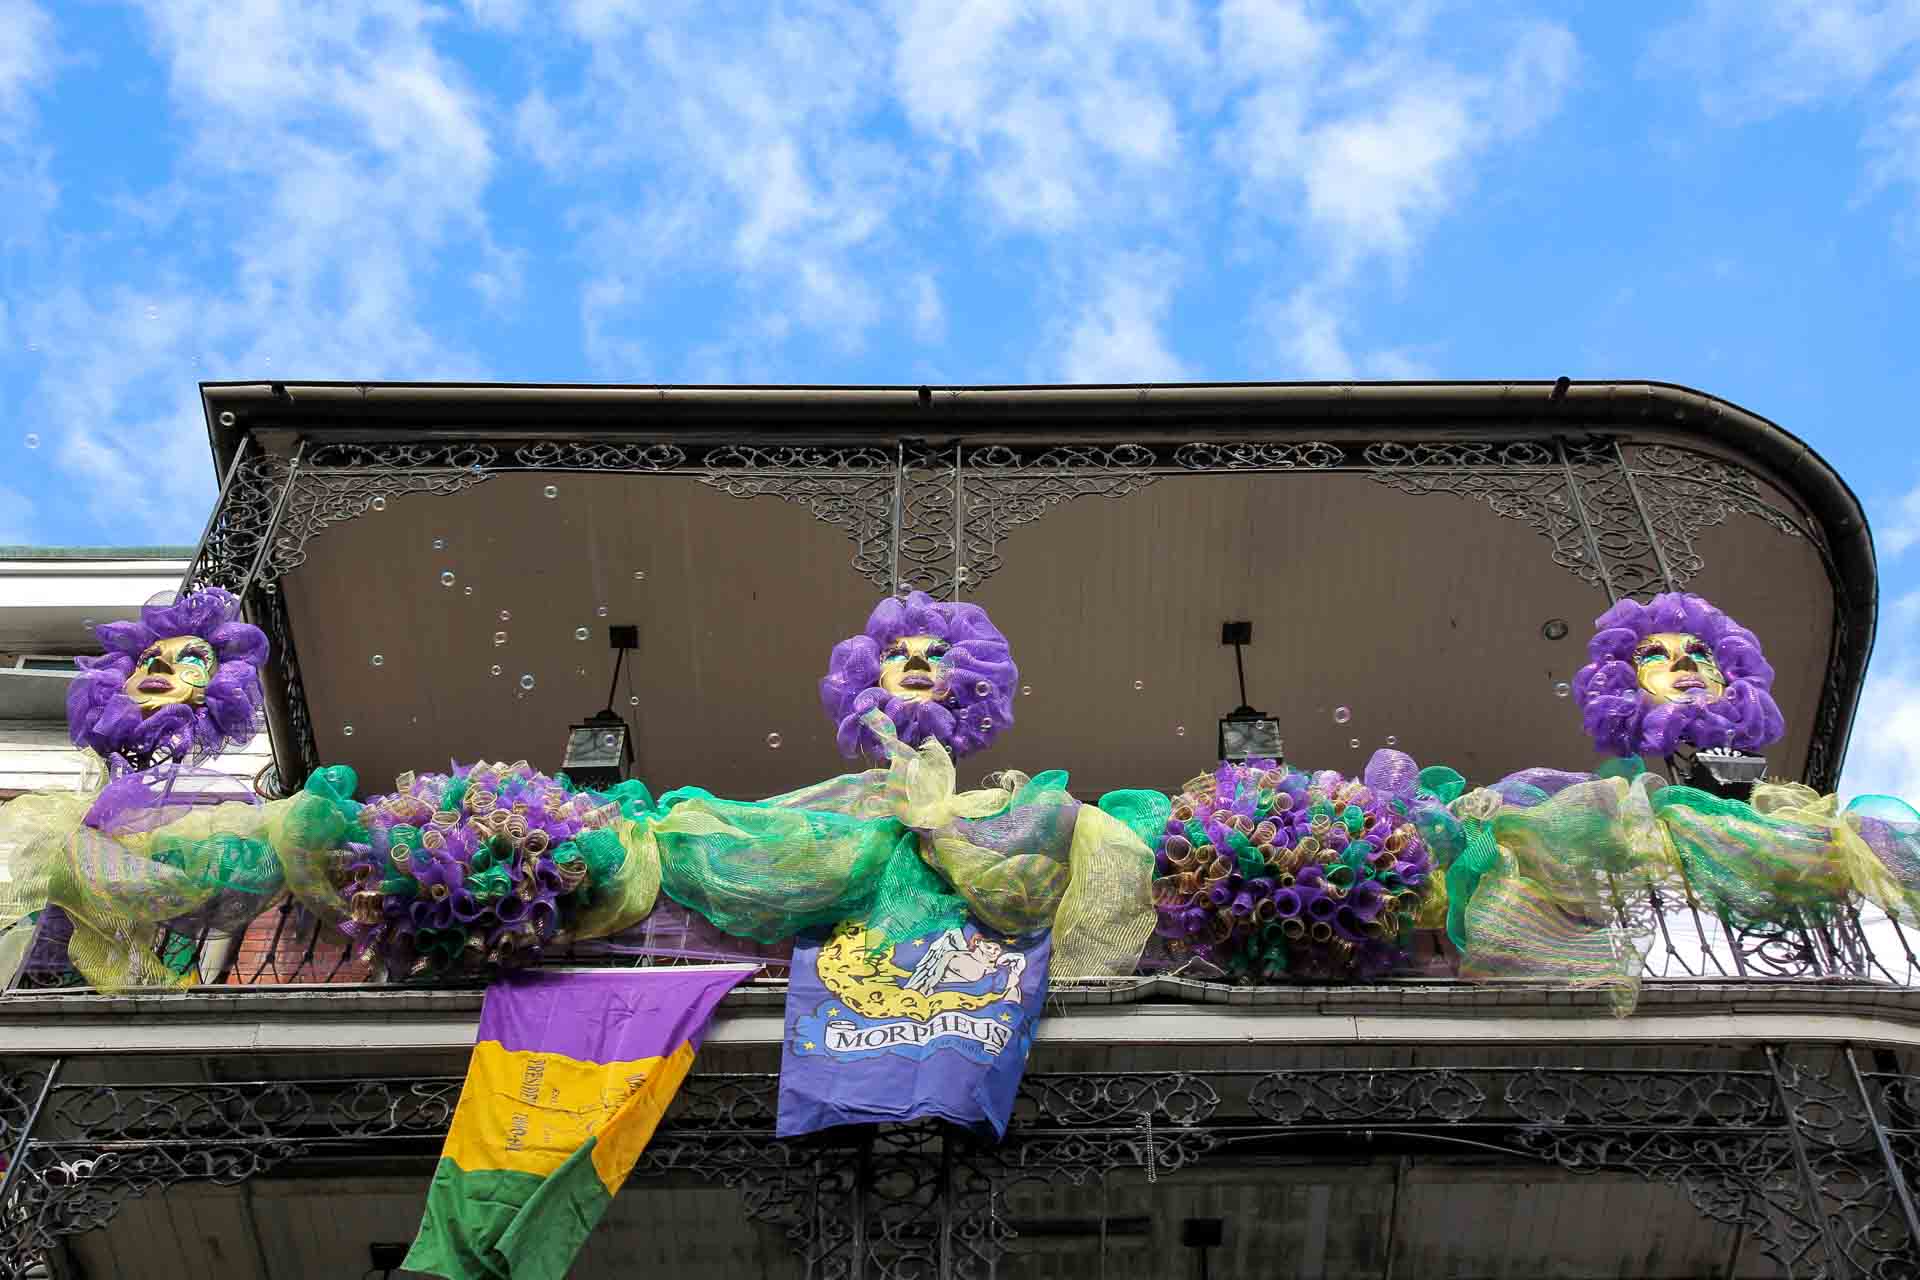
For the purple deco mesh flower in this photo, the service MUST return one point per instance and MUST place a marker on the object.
(1623, 719)
(1264, 873)
(975, 680)
(480, 868)
(102, 717)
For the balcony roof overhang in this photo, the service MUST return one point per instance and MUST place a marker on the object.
(1638, 413)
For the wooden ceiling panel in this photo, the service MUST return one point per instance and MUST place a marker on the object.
(1422, 615)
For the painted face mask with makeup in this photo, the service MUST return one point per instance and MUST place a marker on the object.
(937, 669)
(180, 684)
(914, 667)
(1675, 672)
(1675, 667)
(171, 672)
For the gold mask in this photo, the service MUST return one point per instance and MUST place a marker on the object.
(171, 672)
(914, 667)
(1675, 667)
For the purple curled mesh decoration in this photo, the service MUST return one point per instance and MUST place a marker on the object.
(976, 679)
(1266, 874)
(100, 715)
(478, 870)
(1624, 720)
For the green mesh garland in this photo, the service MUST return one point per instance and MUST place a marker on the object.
(912, 899)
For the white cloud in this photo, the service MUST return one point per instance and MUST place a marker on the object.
(1268, 37)
(929, 314)
(760, 150)
(26, 56)
(1753, 58)
(28, 193)
(1055, 110)
(1902, 529)
(1377, 145)
(1883, 756)
(1118, 334)
(348, 161)
(499, 15)
(1305, 331)
(751, 159)
(1893, 150)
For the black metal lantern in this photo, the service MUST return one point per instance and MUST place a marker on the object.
(599, 750)
(1246, 734)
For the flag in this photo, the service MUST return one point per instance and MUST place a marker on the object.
(570, 1075)
(935, 1026)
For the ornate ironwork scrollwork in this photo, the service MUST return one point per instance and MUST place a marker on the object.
(927, 545)
(242, 524)
(1685, 492)
(1072, 1101)
(1634, 1099)
(1255, 455)
(851, 489)
(1294, 1097)
(1809, 1169)
(1521, 480)
(1003, 488)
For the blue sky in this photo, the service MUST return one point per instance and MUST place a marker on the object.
(1725, 195)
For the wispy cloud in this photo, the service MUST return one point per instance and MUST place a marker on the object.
(1366, 146)
(27, 190)
(1899, 529)
(1893, 154)
(26, 48)
(753, 158)
(929, 313)
(1754, 59)
(1118, 336)
(345, 153)
(1306, 334)
(813, 178)
(1883, 756)
(1055, 112)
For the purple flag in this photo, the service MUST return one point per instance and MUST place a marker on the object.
(935, 1026)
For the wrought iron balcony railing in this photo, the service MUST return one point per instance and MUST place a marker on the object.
(1677, 940)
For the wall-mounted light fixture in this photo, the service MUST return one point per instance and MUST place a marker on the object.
(600, 748)
(1246, 734)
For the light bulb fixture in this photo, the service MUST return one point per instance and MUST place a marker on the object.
(599, 750)
(1246, 734)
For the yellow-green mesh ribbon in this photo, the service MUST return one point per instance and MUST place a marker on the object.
(1106, 915)
(34, 830)
(627, 896)
(1887, 832)
(1783, 866)
(1520, 930)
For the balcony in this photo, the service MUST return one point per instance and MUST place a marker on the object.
(1403, 553)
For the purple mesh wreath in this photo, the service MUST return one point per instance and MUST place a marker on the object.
(102, 717)
(978, 679)
(1624, 720)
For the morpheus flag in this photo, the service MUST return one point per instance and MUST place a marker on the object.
(936, 1026)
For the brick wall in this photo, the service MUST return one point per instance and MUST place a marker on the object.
(285, 945)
